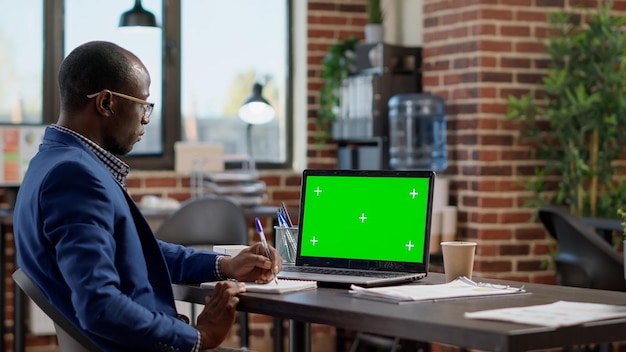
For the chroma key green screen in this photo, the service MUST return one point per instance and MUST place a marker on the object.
(370, 218)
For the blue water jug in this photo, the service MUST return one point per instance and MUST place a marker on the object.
(417, 132)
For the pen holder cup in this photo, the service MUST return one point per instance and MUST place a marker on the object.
(286, 242)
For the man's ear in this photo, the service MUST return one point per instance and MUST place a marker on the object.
(107, 106)
(104, 104)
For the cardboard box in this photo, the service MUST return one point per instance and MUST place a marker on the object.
(229, 249)
(206, 157)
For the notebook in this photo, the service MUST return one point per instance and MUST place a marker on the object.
(281, 286)
(363, 227)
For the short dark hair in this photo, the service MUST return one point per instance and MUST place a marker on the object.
(90, 68)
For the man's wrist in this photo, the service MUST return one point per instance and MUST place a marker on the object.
(218, 271)
(204, 341)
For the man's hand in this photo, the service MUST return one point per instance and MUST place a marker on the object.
(218, 315)
(251, 264)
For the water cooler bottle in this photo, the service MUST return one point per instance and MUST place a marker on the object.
(417, 132)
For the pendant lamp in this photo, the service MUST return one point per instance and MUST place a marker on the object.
(138, 17)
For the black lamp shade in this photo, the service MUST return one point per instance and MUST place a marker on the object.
(257, 95)
(256, 110)
(137, 16)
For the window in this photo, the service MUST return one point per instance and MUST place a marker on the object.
(226, 47)
(21, 63)
(203, 63)
(89, 20)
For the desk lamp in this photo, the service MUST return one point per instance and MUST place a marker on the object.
(255, 111)
(138, 17)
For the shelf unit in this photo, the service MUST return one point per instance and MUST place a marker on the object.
(362, 126)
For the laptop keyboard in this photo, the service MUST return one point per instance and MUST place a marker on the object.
(333, 271)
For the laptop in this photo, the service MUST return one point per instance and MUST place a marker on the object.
(363, 227)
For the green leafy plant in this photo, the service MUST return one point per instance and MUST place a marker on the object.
(337, 65)
(374, 12)
(577, 127)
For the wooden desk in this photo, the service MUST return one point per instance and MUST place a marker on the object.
(440, 322)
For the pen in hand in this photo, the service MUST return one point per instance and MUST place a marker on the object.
(259, 229)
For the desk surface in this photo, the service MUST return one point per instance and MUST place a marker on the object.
(440, 322)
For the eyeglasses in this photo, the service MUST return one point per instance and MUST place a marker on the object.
(147, 106)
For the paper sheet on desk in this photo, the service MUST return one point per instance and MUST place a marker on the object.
(561, 313)
(459, 288)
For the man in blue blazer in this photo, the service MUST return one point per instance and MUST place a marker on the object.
(84, 242)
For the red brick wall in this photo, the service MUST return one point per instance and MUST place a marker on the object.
(328, 22)
(476, 54)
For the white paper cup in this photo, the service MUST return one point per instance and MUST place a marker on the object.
(458, 259)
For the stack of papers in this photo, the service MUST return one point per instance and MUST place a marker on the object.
(561, 313)
(461, 287)
(283, 286)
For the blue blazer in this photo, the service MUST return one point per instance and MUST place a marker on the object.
(83, 240)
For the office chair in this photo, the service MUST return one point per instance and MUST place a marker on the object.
(584, 258)
(379, 342)
(208, 221)
(205, 221)
(70, 338)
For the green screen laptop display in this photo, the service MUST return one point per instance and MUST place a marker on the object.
(368, 217)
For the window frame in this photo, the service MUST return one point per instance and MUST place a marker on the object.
(171, 126)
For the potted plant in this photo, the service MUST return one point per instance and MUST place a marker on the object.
(374, 31)
(337, 65)
(578, 124)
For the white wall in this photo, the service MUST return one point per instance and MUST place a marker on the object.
(300, 43)
(403, 22)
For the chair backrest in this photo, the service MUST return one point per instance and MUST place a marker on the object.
(205, 221)
(584, 258)
(70, 338)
